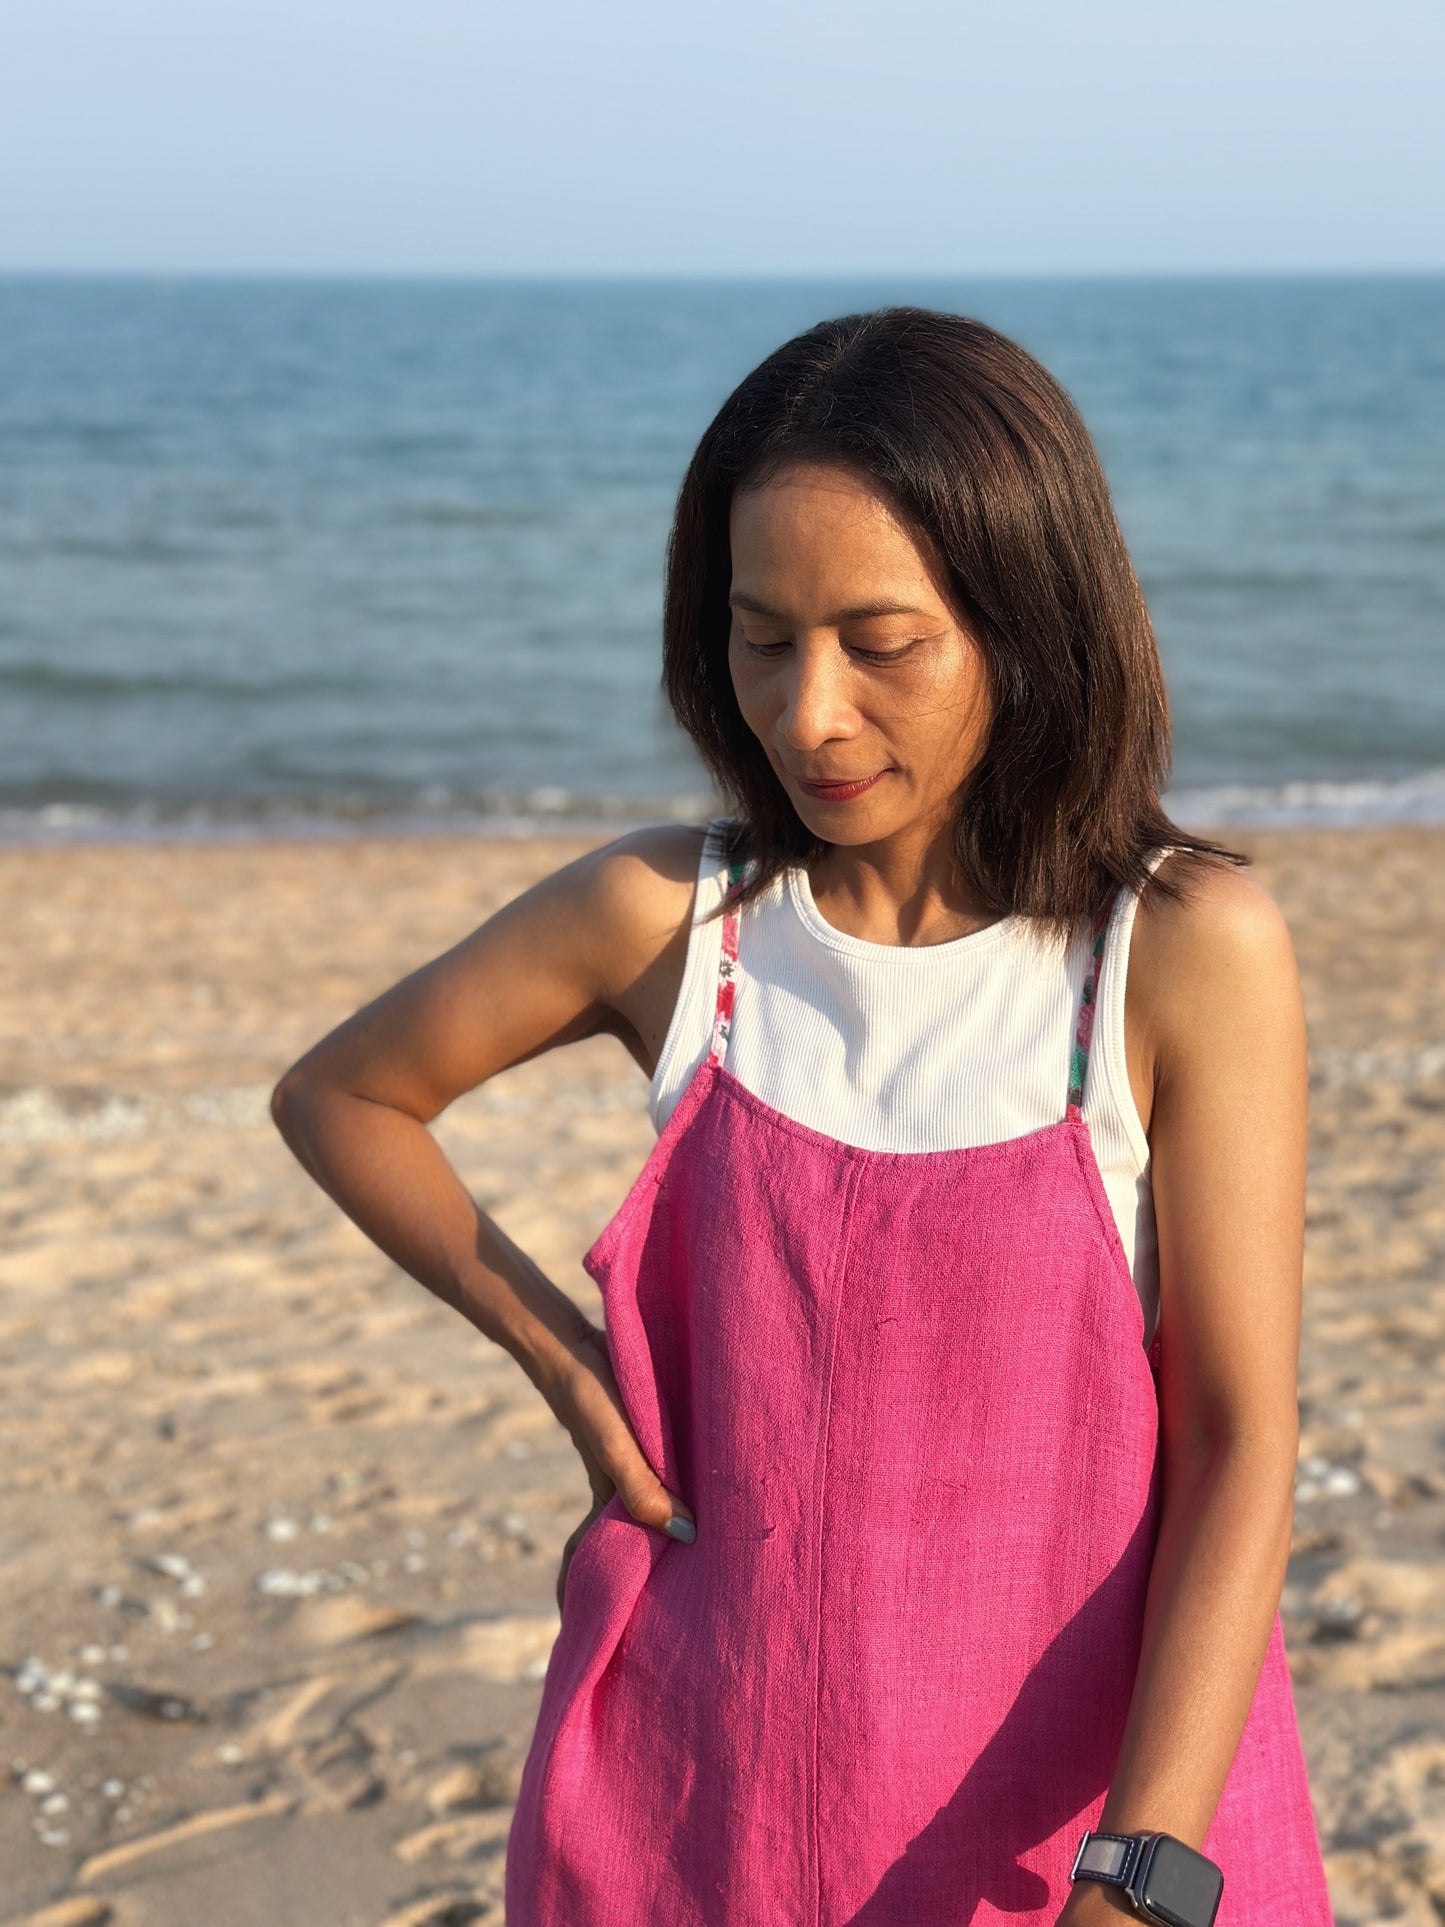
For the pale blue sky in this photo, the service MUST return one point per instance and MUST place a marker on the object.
(750, 136)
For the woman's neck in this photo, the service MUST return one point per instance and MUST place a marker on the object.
(905, 890)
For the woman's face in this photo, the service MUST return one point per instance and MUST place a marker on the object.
(867, 693)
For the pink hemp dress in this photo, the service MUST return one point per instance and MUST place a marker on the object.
(906, 1396)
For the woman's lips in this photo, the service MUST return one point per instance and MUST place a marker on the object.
(838, 792)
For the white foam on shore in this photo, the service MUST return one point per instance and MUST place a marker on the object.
(552, 811)
(1411, 799)
(547, 811)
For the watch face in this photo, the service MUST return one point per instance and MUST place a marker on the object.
(1181, 1886)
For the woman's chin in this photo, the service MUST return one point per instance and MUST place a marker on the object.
(861, 820)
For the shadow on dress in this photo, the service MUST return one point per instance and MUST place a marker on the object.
(1053, 1754)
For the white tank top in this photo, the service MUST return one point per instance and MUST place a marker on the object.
(928, 1047)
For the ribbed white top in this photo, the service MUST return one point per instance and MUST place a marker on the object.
(931, 1047)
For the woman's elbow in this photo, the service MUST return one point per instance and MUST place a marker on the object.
(290, 1101)
(1253, 1463)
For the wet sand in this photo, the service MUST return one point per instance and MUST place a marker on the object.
(280, 1531)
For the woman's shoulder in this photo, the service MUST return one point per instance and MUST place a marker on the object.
(1216, 953)
(630, 900)
(1220, 911)
(647, 870)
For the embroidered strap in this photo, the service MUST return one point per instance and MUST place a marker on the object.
(727, 970)
(1084, 1029)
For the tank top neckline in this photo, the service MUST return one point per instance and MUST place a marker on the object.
(911, 956)
(728, 964)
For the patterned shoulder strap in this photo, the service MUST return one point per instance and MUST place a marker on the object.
(1084, 1028)
(727, 969)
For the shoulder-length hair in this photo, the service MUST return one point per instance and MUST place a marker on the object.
(985, 457)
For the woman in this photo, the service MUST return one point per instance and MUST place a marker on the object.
(942, 1437)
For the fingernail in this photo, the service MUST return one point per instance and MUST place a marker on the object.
(679, 1528)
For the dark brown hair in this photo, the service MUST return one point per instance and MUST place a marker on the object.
(987, 460)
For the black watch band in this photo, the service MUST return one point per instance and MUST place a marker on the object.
(1110, 1858)
(1163, 1879)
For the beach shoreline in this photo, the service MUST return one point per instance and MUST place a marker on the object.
(1403, 800)
(289, 1528)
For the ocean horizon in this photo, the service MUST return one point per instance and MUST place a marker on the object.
(298, 556)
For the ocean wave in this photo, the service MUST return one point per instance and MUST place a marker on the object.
(90, 683)
(547, 809)
(1418, 798)
(550, 808)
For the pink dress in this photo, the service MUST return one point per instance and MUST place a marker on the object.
(906, 1397)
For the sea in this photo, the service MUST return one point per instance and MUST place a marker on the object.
(293, 556)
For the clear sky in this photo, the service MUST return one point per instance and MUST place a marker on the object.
(743, 136)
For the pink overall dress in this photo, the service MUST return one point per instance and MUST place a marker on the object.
(907, 1398)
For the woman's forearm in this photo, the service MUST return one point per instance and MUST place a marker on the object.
(1214, 1589)
(391, 1178)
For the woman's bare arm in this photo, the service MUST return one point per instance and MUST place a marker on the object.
(1214, 989)
(598, 946)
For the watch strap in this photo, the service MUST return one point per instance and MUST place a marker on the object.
(1109, 1857)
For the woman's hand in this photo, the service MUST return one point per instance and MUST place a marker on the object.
(596, 948)
(585, 1397)
(574, 1539)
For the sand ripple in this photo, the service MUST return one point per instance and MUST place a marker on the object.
(281, 1532)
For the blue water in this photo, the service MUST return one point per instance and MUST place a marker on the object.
(275, 552)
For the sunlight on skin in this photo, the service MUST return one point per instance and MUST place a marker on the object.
(853, 671)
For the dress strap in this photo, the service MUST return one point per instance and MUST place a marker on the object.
(1084, 1028)
(727, 969)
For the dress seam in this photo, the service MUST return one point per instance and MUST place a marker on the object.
(815, 1630)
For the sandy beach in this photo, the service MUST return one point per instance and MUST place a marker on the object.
(281, 1532)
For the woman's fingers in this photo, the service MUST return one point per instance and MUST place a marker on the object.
(648, 1499)
(591, 1409)
(655, 1506)
(574, 1539)
(623, 1469)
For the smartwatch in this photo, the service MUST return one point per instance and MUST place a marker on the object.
(1161, 1878)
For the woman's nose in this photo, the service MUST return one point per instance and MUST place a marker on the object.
(815, 707)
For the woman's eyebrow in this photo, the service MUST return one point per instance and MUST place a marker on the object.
(861, 613)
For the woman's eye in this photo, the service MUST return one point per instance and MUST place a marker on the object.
(769, 647)
(883, 655)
